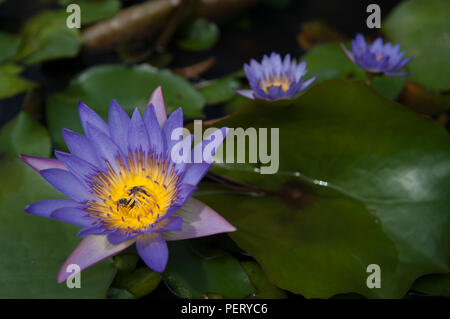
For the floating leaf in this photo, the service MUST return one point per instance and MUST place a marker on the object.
(198, 35)
(9, 45)
(435, 285)
(95, 10)
(10, 81)
(139, 282)
(46, 37)
(264, 289)
(329, 61)
(362, 180)
(221, 90)
(34, 248)
(195, 272)
(130, 86)
(24, 135)
(422, 27)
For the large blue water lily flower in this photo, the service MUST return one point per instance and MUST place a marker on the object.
(125, 187)
(274, 78)
(377, 57)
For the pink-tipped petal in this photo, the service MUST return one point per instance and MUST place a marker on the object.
(157, 101)
(246, 93)
(41, 163)
(347, 52)
(90, 251)
(198, 220)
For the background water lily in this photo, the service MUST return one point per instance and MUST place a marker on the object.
(377, 57)
(124, 186)
(274, 78)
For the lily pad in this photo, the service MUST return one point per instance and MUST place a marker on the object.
(33, 248)
(130, 86)
(328, 61)
(198, 35)
(435, 285)
(264, 288)
(95, 10)
(11, 83)
(422, 27)
(361, 180)
(9, 45)
(24, 135)
(196, 272)
(46, 37)
(221, 90)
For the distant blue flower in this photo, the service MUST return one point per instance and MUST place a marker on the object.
(275, 79)
(377, 58)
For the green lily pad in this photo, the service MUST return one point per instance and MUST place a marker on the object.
(196, 272)
(139, 282)
(9, 45)
(328, 61)
(435, 285)
(33, 247)
(422, 28)
(95, 10)
(198, 35)
(221, 90)
(382, 173)
(130, 86)
(24, 135)
(46, 37)
(10, 81)
(264, 288)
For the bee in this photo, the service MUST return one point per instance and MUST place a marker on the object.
(133, 199)
(123, 202)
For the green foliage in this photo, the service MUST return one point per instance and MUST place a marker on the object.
(46, 37)
(198, 35)
(422, 27)
(10, 81)
(350, 191)
(195, 271)
(24, 135)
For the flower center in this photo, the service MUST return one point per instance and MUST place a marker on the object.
(284, 82)
(136, 198)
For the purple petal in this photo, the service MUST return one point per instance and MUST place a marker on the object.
(67, 184)
(171, 223)
(157, 101)
(42, 163)
(246, 93)
(72, 215)
(77, 166)
(307, 83)
(153, 250)
(105, 148)
(80, 146)
(155, 136)
(88, 116)
(397, 74)
(348, 53)
(118, 125)
(118, 237)
(137, 133)
(174, 121)
(45, 207)
(90, 251)
(199, 220)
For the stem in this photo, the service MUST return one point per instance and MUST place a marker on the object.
(369, 77)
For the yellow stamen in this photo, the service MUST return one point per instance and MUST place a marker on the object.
(284, 82)
(135, 198)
